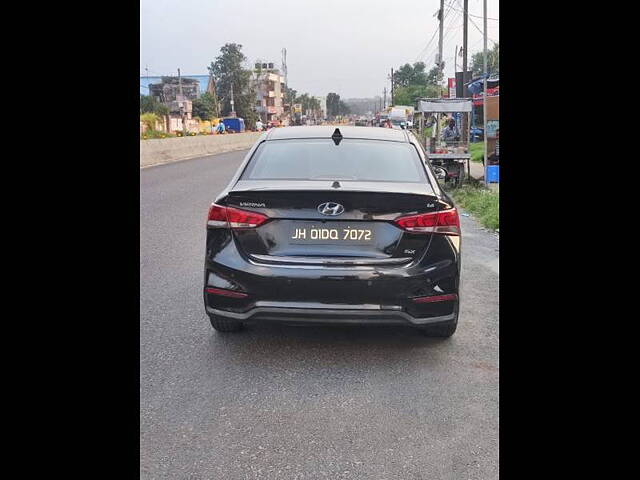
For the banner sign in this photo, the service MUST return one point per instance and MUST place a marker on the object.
(452, 87)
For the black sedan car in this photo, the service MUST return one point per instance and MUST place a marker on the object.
(334, 225)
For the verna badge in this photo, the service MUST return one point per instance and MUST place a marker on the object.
(330, 208)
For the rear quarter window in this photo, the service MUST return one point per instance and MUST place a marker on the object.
(322, 159)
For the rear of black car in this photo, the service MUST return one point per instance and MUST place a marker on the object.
(335, 230)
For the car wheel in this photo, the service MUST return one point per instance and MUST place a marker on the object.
(441, 330)
(225, 324)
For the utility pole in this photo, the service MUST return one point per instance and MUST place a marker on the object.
(455, 62)
(385, 97)
(284, 67)
(440, 62)
(465, 24)
(233, 112)
(181, 104)
(392, 102)
(286, 84)
(484, 98)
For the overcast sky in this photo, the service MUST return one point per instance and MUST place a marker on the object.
(343, 46)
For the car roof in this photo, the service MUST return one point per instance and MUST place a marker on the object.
(326, 131)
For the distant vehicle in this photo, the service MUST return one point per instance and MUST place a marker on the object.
(477, 134)
(398, 117)
(234, 124)
(334, 225)
(398, 124)
(361, 122)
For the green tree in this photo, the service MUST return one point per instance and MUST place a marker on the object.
(333, 104)
(227, 70)
(205, 107)
(493, 61)
(434, 76)
(409, 95)
(149, 104)
(290, 95)
(410, 75)
(343, 108)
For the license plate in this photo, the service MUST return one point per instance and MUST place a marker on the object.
(332, 235)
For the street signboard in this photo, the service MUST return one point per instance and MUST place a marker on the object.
(452, 88)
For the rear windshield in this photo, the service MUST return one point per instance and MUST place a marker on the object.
(322, 159)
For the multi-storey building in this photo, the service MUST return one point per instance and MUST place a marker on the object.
(269, 85)
(323, 106)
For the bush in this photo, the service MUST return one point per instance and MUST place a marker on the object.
(477, 151)
(482, 202)
(151, 105)
(149, 134)
(149, 119)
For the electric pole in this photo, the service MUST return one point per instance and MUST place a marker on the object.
(233, 112)
(465, 24)
(385, 98)
(455, 66)
(440, 62)
(392, 102)
(181, 104)
(484, 97)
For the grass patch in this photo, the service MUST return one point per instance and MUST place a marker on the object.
(477, 151)
(482, 202)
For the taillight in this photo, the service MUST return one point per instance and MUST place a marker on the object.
(234, 218)
(445, 222)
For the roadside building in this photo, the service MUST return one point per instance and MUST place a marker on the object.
(177, 93)
(269, 86)
(168, 90)
(323, 106)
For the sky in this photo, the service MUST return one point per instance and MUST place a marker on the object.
(342, 46)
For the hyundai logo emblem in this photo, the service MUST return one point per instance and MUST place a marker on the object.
(330, 208)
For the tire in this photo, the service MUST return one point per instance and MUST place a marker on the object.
(441, 330)
(221, 324)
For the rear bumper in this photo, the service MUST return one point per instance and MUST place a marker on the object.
(302, 313)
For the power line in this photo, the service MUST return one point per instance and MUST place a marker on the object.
(478, 28)
(449, 28)
(477, 16)
(421, 54)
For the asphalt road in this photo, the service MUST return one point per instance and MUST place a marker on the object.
(278, 402)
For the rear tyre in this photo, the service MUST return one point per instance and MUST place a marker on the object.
(224, 324)
(442, 330)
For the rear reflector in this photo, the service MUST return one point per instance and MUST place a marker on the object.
(234, 218)
(445, 222)
(436, 298)
(225, 293)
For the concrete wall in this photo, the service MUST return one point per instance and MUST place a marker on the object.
(166, 150)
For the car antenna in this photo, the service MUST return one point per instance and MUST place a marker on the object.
(337, 136)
